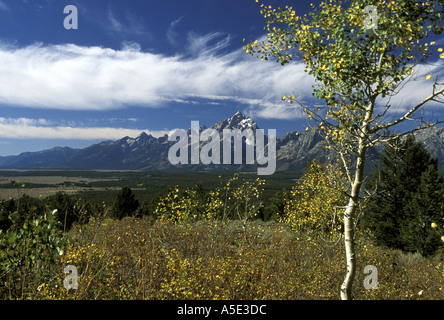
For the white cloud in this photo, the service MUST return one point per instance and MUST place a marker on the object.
(25, 128)
(414, 90)
(25, 121)
(280, 111)
(115, 24)
(171, 33)
(129, 25)
(71, 77)
(94, 78)
(208, 44)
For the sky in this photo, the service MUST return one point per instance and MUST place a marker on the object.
(141, 65)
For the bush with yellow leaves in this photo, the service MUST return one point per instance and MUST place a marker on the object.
(316, 202)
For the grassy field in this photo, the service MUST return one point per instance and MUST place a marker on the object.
(144, 259)
(102, 186)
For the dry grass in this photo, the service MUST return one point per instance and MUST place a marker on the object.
(145, 259)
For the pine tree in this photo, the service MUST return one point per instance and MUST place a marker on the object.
(408, 194)
(423, 209)
(125, 203)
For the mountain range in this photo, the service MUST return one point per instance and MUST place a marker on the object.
(294, 152)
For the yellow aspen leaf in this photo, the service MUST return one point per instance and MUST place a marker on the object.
(441, 55)
(428, 76)
(440, 50)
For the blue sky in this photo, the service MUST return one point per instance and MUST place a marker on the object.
(136, 65)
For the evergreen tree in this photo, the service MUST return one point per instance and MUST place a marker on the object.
(423, 209)
(65, 205)
(125, 203)
(408, 194)
(276, 206)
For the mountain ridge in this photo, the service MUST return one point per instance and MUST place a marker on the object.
(294, 151)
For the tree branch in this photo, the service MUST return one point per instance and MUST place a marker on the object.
(388, 140)
(410, 112)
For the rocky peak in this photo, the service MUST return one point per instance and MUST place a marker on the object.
(236, 121)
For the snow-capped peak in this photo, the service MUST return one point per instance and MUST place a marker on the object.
(237, 121)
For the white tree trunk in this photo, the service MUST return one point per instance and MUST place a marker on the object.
(349, 222)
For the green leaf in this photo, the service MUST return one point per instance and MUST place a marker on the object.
(10, 236)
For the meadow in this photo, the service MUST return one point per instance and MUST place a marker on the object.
(178, 256)
(144, 259)
(102, 186)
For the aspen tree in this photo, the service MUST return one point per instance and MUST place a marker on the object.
(360, 59)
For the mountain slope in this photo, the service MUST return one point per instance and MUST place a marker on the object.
(237, 121)
(40, 159)
(433, 139)
(145, 152)
(295, 151)
(124, 154)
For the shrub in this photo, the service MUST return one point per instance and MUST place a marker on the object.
(316, 202)
(28, 249)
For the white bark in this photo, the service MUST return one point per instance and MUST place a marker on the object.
(363, 142)
(349, 225)
(353, 204)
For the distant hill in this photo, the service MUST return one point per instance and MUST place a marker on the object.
(145, 152)
(39, 159)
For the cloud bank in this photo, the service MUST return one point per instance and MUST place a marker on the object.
(72, 77)
(25, 128)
